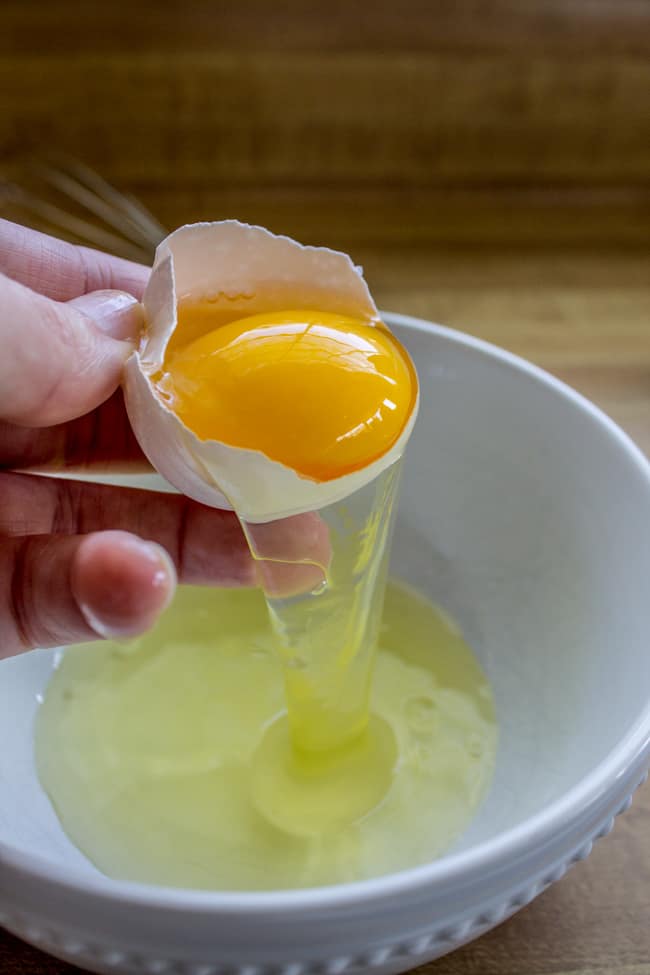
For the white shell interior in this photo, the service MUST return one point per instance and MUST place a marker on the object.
(524, 515)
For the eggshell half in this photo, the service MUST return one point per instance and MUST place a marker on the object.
(242, 270)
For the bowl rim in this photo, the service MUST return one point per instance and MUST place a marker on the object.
(632, 752)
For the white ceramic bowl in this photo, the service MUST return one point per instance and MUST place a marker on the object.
(526, 514)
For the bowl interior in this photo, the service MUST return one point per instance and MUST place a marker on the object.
(525, 515)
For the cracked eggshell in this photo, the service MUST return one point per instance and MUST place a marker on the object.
(244, 270)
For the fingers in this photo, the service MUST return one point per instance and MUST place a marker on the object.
(206, 545)
(63, 271)
(115, 313)
(57, 362)
(59, 589)
(99, 440)
(300, 538)
(294, 554)
(56, 590)
(44, 518)
(120, 584)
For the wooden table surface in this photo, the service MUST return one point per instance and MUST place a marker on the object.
(486, 162)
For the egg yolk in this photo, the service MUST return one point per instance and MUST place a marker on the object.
(321, 393)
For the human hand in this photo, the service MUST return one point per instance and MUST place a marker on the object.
(80, 561)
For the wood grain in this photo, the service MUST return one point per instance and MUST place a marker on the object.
(486, 160)
(299, 25)
(496, 121)
(233, 117)
(356, 217)
(436, 94)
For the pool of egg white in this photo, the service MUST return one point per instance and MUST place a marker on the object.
(166, 757)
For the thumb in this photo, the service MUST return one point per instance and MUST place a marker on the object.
(61, 360)
(116, 313)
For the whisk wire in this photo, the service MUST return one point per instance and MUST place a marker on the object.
(105, 217)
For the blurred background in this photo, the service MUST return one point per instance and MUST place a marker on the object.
(486, 160)
(426, 123)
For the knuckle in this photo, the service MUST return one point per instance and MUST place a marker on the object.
(94, 272)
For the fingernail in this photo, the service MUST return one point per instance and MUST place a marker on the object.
(116, 313)
(164, 576)
(97, 625)
(162, 580)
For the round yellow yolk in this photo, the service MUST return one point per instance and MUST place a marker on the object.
(320, 393)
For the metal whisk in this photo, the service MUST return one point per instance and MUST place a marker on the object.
(66, 198)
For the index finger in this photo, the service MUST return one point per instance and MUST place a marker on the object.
(101, 440)
(61, 270)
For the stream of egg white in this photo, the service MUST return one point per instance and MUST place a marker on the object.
(325, 762)
(326, 637)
